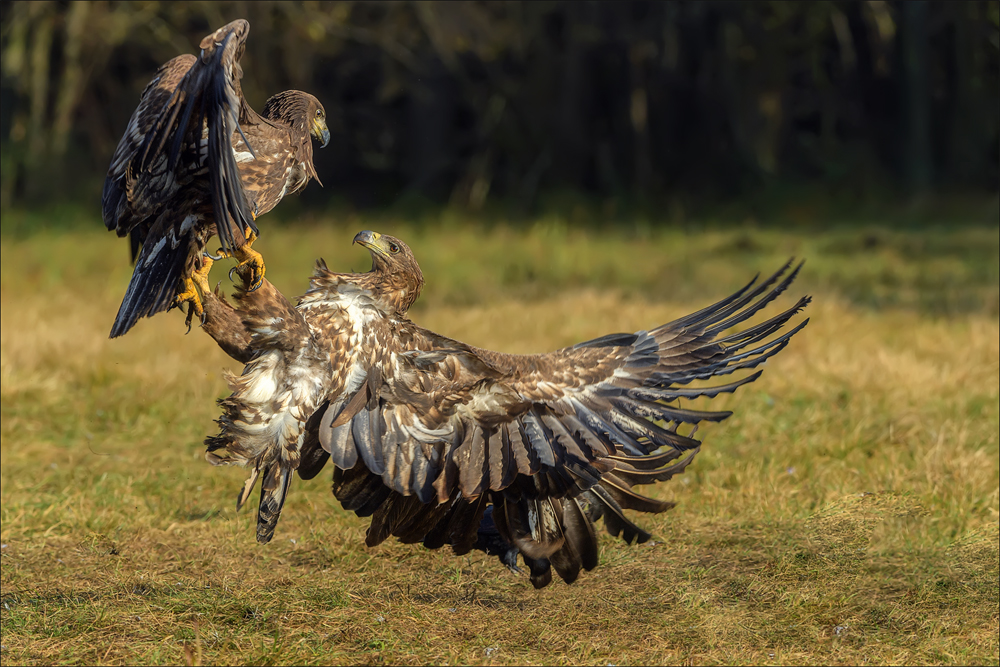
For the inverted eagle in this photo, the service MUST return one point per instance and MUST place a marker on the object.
(196, 161)
(443, 443)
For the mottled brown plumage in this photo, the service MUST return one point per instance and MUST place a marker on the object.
(444, 443)
(196, 161)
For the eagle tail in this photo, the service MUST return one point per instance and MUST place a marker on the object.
(273, 489)
(158, 270)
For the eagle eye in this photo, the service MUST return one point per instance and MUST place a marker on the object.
(319, 112)
(393, 248)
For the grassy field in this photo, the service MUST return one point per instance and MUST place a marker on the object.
(847, 513)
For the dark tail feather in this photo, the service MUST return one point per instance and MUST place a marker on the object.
(273, 488)
(154, 283)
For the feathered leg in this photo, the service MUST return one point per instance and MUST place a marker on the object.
(223, 322)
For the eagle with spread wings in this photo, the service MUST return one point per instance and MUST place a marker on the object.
(444, 443)
(197, 161)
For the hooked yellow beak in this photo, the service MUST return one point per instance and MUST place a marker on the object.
(370, 240)
(320, 132)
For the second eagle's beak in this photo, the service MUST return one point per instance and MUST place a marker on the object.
(369, 240)
(320, 132)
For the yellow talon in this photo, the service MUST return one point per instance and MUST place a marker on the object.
(200, 277)
(191, 297)
(249, 259)
(190, 294)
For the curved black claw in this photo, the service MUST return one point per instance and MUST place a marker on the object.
(215, 258)
(255, 282)
(190, 315)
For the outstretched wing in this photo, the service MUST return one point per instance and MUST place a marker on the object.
(553, 441)
(182, 127)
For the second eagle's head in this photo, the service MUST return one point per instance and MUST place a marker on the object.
(397, 276)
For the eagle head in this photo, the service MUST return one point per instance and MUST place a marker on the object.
(300, 110)
(396, 276)
(317, 123)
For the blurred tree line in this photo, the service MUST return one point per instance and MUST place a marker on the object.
(461, 102)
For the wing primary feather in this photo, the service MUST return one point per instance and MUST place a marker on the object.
(647, 475)
(745, 314)
(628, 499)
(647, 462)
(754, 334)
(744, 360)
(722, 309)
(614, 520)
(672, 393)
(611, 340)
(648, 410)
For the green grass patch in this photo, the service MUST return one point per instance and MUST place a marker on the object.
(847, 513)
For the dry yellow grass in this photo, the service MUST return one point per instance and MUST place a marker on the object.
(847, 513)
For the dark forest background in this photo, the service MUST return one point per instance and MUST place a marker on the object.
(473, 104)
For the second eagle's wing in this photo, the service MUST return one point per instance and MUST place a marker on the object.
(552, 441)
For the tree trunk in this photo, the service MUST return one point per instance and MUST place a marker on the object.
(918, 164)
